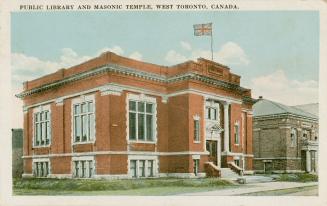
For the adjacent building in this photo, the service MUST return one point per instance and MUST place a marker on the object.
(114, 117)
(285, 138)
(17, 152)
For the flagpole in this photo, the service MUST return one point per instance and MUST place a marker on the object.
(211, 45)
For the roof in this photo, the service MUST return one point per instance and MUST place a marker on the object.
(312, 108)
(265, 107)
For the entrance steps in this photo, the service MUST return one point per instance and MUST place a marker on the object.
(227, 173)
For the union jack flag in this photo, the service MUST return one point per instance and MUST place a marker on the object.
(202, 29)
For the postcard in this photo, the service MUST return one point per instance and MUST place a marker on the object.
(163, 102)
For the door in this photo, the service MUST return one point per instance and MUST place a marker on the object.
(313, 161)
(303, 160)
(268, 167)
(211, 146)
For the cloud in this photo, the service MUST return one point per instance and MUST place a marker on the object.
(277, 87)
(115, 49)
(136, 55)
(232, 53)
(185, 45)
(229, 54)
(174, 57)
(17, 109)
(26, 68)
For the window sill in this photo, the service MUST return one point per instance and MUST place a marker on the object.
(41, 146)
(196, 142)
(78, 143)
(141, 142)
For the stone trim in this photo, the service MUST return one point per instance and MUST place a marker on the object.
(122, 176)
(59, 102)
(27, 175)
(136, 73)
(183, 175)
(61, 176)
(236, 154)
(117, 153)
(110, 90)
(139, 90)
(283, 115)
(277, 158)
(112, 177)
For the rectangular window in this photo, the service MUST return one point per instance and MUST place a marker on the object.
(141, 120)
(196, 166)
(293, 137)
(41, 169)
(42, 128)
(196, 130)
(90, 168)
(133, 168)
(211, 113)
(237, 133)
(141, 168)
(84, 122)
(83, 168)
(237, 162)
(76, 174)
(150, 168)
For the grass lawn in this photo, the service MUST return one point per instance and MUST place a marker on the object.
(299, 177)
(161, 186)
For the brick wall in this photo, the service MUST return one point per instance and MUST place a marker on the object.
(175, 117)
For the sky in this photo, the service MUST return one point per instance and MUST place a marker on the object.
(276, 53)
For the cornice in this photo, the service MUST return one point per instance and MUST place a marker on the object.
(283, 115)
(135, 73)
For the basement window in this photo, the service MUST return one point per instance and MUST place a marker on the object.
(41, 168)
(141, 168)
(196, 165)
(83, 168)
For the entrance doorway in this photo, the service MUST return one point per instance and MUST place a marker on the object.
(313, 161)
(267, 167)
(211, 146)
(303, 160)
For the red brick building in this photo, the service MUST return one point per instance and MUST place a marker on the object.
(114, 117)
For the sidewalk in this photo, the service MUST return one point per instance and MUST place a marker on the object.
(253, 187)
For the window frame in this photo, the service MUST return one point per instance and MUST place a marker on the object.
(39, 111)
(237, 133)
(150, 163)
(196, 130)
(43, 162)
(84, 99)
(196, 167)
(147, 101)
(208, 113)
(83, 172)
(293, 137)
